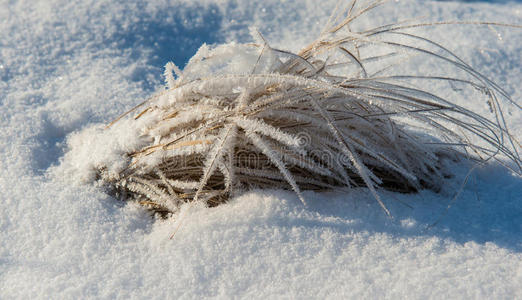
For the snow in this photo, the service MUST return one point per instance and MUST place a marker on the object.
(69, 65)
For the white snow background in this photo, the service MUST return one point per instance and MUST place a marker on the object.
(65, 65)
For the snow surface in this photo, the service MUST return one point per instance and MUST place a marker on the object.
(66, 65)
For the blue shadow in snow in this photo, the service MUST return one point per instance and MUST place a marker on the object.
(171, 35)
(489, 210)
(50, 146)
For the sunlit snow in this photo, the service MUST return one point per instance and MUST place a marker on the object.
(69, 65)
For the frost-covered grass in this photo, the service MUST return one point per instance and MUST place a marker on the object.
(342, 112)
(68, 65)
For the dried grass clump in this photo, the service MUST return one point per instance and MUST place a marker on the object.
(340, 113)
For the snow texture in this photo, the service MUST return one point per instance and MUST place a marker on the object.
(67, 65)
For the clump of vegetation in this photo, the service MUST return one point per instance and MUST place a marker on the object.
(339, 113)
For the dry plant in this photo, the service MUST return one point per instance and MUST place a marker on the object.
(340, 113)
